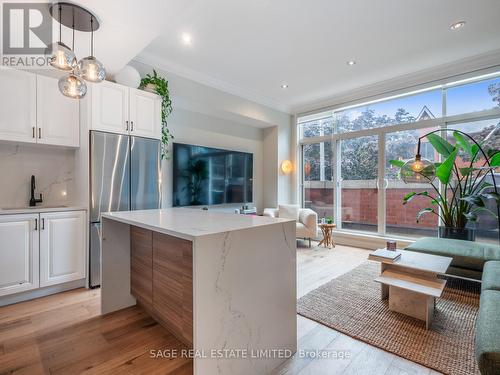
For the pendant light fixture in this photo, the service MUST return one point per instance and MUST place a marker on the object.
(62, 57)
(89, 68)
(72, 86)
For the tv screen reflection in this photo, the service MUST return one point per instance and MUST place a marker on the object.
(209, 176)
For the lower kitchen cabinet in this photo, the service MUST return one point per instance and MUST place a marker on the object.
(18, 253)
(41, 249)
(62, 247)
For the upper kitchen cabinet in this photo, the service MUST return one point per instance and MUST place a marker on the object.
(17, 105)
(57, 115)
(145, 114)
(119, 109)
(33, 110)
(110, 107)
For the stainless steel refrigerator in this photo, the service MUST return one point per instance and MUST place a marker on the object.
(124, 175)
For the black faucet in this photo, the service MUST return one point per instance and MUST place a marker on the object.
(33, 200)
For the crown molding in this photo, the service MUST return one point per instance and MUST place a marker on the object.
(169, 66)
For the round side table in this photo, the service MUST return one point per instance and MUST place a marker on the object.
(327, 230)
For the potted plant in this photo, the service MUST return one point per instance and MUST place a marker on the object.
(463, 173)
(159, 85)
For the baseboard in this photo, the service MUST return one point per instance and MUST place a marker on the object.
(41, 292)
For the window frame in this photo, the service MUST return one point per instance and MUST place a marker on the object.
(381, 132)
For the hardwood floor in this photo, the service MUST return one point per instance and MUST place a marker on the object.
(64, 334)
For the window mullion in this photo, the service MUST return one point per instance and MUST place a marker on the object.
(381, 191)
(337, 184)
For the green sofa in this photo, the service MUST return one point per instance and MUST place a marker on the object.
(468, 257)
(478, 261)
(488, 321)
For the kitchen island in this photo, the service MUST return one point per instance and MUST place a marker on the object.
(223, 284)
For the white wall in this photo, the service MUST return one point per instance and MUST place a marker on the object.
(207, 116)
(199, 129)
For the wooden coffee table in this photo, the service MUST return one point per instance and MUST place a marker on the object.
(327, 230)
(412, 285)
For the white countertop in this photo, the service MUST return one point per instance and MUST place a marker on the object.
(39, 209)
(188, 223)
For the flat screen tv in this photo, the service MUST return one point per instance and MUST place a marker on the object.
(207, 176)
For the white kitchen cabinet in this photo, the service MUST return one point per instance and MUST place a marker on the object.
(58, 121)
(62, 247)
(123, 110)
(17, 105)
(110, 107)
(33, 110)
(18, 253)
(145, 114)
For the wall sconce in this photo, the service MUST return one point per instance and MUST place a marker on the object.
(286, 166)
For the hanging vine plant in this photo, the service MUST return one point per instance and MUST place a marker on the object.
(159, 85)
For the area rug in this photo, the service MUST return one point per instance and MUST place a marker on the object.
(351, 304)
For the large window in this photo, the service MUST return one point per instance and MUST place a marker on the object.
(345, 153)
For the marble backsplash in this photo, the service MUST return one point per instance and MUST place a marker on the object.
(53, 168)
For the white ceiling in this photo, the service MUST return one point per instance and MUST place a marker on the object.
(250, 48)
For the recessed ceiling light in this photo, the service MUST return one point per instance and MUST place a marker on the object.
(284, 86)
(351, 62)
(186, 39)
(457, 25)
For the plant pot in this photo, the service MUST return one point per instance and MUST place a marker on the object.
(465, 234)
(150, 87)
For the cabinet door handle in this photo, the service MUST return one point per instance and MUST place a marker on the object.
(131, 126)
(36, 224)
(34, 132)
(126, 125)
(39, 133)
(43, 224)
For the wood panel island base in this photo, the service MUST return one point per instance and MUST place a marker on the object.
(223, 284)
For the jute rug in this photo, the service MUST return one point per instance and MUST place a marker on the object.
(351, 304)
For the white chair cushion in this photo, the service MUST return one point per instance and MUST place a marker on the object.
(289, 211)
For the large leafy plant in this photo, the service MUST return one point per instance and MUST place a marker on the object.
(464, 189)
(161, 88)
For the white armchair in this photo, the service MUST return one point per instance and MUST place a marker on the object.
(306, 219)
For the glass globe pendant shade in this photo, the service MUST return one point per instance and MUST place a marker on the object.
(418, 170)
(62, 57)
(91, 69)
(72, 86)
